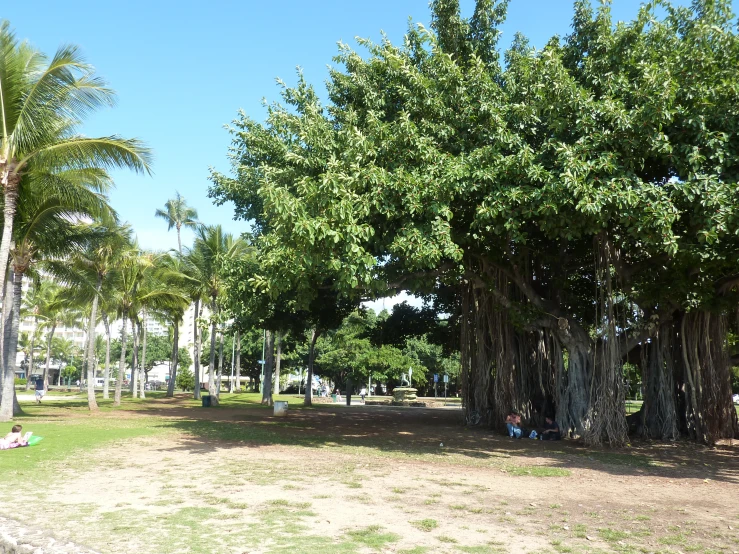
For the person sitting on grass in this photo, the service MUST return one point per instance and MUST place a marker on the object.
(13, 439)
(513, 423)
(551, 431)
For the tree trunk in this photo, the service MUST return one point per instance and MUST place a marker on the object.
(10, 181)
(237, 364)
(708, 410)
(658, 413)
(48, 357)
(30, 356)
(121, 363)
(220, 364)
(134, 360)
(106, 372)
(91, 401)
(278, 361)
(175, 359)
(212, 362)
(311, 357)
(196, 349)
(7, 397)
(573, 391)
(142, 374)
(269, 360)
(3, 328)
(13, 408)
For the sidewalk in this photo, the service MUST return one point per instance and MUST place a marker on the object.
(16, 539)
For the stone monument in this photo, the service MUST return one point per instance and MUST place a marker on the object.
(404, 394)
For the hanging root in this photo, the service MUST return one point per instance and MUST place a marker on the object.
(709, 412)
(607, 391)
(659, 413)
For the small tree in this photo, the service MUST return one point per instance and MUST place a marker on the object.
(185, 378)
(70, 374)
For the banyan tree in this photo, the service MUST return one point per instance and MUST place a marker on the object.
(578, 202)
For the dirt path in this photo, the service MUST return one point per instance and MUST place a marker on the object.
(378, 479)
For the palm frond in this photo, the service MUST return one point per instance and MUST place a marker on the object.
(79, 152)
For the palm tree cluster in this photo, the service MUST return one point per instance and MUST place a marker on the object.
(60, 233)
(53, 178)
(81, 266)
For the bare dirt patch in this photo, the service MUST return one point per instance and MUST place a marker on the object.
(377, 479)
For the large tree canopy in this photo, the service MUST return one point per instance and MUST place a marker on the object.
(580, 201)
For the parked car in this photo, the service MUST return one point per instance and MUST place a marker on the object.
(736, 398)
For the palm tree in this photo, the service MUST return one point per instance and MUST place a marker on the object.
(31, 307)
(85, 273)
(139, 286)
(211, 250)
(174, 278)
(63, 351)
(178, 214)
(55, 313)
(45, 227)
(42, 104)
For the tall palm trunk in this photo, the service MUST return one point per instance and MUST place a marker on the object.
(8, 389)
(309, 378)
(106, 371)
(175, 358)
(269, 359)
(212, 362)
(220, 364)
(48, 357)
(8, 404)
(91, 401)
(122, 363)
(179, 239)
(134, 360)
(278, 362)
(196, 349)
(10, 181)
(14, 332)
(237, 364)
(30, 355)
(142, 375)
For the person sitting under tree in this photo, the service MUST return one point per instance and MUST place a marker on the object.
(551, 431)
(513, 423)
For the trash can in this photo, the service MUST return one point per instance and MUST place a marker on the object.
(206, 401)
(280, 408)
(333, 397)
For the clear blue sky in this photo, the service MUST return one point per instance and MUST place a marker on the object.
(183, 68)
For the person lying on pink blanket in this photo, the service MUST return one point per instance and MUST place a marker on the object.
(13, 439)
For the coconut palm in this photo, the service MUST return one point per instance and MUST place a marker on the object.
(212, 249)
(178, 214)
(31, 308)
(173, 277)
(43, 104)
(43, 227)
(138, 285)
(54, 313)
(85, 273)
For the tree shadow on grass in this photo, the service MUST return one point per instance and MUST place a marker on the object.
(418, 433)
